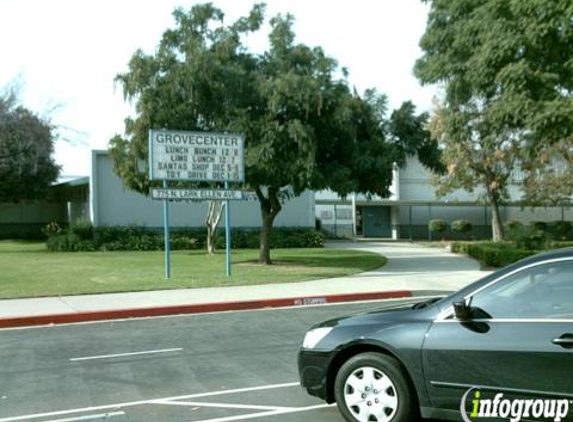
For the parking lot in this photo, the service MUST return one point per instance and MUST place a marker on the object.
(236, 366)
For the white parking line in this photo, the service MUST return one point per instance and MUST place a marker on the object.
(265, 414)
(119, 355)
(223, 392)
(144, 402)
(88, 417)
(222, 405)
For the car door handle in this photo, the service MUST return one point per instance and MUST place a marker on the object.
(566, 341)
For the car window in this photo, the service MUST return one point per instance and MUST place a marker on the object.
(541, 292)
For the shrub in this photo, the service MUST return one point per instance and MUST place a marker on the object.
(539, 226)
(561, 244)
(461, 226)
(280, 238)
(532, 239)
(492, 254)
(52, 229)
(513, 229)
(437, 225)
(181, 241)
(58, 243)
(563, 230)
(69, 242)
(137, 238)
(82, 228)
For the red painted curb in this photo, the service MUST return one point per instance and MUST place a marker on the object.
(197, 309)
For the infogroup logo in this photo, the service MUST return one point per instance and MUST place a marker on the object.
(513, 410)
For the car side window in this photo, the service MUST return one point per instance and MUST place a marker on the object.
(541, 292)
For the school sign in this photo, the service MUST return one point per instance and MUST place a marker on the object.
(196, 156)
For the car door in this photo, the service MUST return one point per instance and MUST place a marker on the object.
(519, 340)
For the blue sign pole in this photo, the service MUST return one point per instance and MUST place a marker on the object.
(227, 235)
(166, 232)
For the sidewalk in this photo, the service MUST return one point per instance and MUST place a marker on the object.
(412, 270)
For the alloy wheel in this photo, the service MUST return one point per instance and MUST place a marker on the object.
(370, 395)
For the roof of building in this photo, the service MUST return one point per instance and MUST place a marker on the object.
(72, 181)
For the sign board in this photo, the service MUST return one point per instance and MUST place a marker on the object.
(196, 156)
(196, 194)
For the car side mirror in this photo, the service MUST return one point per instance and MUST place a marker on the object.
(462, 311)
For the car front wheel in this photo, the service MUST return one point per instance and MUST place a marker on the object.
(372, 387)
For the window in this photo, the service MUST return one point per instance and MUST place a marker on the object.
(344, 214)
(541, 292)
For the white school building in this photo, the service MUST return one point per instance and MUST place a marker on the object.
(102, 198)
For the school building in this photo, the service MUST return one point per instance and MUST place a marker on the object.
(102, 198)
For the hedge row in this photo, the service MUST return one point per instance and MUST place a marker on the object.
(492, 254)
(539, 233)
(82, 236)
(500, 254)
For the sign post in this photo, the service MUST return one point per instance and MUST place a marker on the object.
(227, 235)
(196, 157)
(166, 235)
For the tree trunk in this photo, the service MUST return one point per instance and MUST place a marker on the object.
(270, 207)
(266, 233)
(212, 221)
(210, 240)
(496, 223)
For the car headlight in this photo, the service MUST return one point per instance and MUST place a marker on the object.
(313, 337)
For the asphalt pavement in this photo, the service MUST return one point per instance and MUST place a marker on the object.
(218, 367)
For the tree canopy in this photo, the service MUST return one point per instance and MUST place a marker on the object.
(507, 74)
(304, 127)
(27, 167)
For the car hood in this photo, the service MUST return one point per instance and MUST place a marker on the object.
(399, 313)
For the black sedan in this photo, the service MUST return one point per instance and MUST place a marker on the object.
(508, 335)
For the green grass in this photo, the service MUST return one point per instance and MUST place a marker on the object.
(27, 269)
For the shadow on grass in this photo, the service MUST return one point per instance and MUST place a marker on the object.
(22, 246)
(359, 262)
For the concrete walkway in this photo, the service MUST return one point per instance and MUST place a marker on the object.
(410, 268)
(414, 267)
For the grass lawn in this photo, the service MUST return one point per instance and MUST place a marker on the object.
(27, 269)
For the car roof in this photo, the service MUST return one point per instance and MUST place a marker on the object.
(551, 254)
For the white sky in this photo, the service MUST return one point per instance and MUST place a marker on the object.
(67, 53)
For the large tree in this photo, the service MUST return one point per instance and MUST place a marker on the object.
(548, 179)
(200, 78)
(27, 168)
(505, 66)
(304, 127)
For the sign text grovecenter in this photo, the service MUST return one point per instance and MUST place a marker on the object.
(196, 156)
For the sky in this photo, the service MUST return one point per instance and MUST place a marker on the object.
(65, 55)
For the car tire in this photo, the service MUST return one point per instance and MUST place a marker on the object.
(373, 387)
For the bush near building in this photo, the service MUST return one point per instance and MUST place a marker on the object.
(522, 241)
(438, 226)
(461, 226)
(500, 254)
(492, 254)
(83, 236)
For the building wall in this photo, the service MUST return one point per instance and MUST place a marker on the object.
(112, 204)
(26, 220)
(413, 182)
(336, 220)
(32, 212)
(416, 185)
